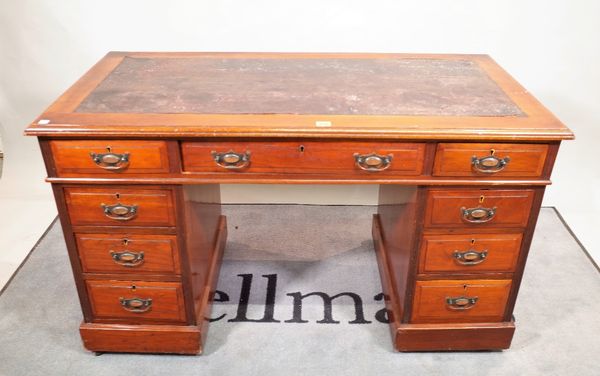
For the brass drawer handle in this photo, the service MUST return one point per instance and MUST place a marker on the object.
(128, 258)
(373, 162)
(461, 303)
(136, 305)
(231, 160)
(478, 215)
(470, 257)
(489, 164)
(111, 161)
(119, 211)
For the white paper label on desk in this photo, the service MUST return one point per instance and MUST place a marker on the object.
(322, 123)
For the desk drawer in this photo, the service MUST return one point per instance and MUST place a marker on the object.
(144, 254)
(304, 157)
(460, 301)
(489, 160)
(136, 300)
(478, 208)
(120, 206)
(464, 254)
(114, 157)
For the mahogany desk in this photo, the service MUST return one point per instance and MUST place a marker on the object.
(137, 148)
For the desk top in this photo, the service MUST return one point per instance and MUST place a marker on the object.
(350, 86)
(395, 96)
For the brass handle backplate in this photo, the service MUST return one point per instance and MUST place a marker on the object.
(478, 214)
(128, 258)
(111, 161)
(231, 160)
(373, 162)
(461, 303)
(119, 211)
(136, 305)
(470, 257)
(489, 164)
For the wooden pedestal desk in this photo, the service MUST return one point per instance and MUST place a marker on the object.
(137, 148)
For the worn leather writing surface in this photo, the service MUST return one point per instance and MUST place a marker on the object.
(349, 86)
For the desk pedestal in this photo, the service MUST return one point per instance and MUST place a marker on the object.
(434, 337)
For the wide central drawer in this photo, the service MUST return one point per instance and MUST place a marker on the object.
(120, 206)
(349, 159)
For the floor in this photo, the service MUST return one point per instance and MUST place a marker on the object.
(557, 311)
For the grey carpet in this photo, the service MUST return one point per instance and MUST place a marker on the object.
(309, 249)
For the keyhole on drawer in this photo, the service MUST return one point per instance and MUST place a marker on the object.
(492, 151)
(108, 149)
(118, 196)
(465, 287)
(301, 148)
(133, 287)
(472, 241)
(481, 198)
(125, 241)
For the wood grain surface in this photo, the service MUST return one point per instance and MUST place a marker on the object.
(72, 157)
(455, 159)
(393, 96)
(155, 207)
(430, 304)
(160, 253)
(305, 157)
(444, 208)
(437, 252)
(167, 301)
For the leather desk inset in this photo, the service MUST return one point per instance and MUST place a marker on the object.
(137, 148)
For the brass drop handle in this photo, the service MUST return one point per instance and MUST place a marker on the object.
(136, 305)
(373, 162)
(470, 257)
(119, 211)
(489, 164)
(478, 214)
(111, 161)
(231, 160)
(128, 258)
(461, 303)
